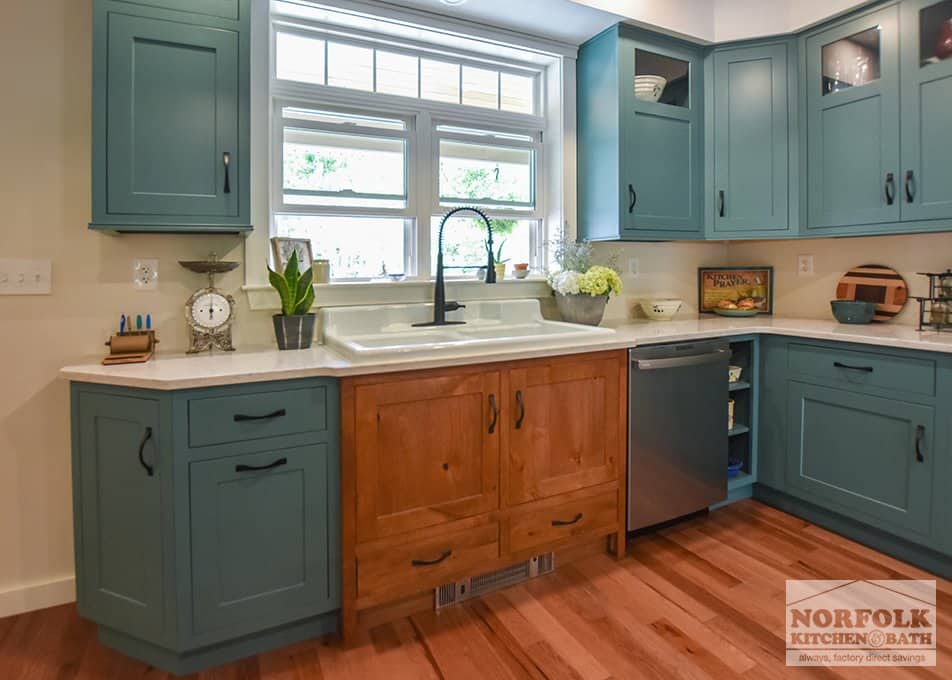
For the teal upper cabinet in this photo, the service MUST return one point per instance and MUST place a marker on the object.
(852, 86)
(926, 170)
(751, 127)
(170, 116)
(640, 106)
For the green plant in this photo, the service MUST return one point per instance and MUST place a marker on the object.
(295, 288)
(499, 259)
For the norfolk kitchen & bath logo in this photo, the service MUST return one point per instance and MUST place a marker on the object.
(861, 623)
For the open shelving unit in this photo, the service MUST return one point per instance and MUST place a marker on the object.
(742, 438)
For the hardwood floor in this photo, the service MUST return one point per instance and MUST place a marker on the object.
(701, 599)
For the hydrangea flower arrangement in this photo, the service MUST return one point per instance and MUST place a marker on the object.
(577, 275)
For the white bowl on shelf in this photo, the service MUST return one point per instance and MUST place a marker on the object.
(662, 309)
(649, 88)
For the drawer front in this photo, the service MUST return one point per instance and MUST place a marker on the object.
(864, 369)
(557, 519)
(412, 563)
(259, 415)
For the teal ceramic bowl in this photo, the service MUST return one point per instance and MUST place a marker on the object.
(853, 311)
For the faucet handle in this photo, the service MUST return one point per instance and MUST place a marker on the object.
(453, 306)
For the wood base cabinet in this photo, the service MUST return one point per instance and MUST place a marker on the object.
(457, 472)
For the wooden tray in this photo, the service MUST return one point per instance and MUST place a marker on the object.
(875, 283)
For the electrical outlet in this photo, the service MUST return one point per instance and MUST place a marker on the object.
(26, 277)
(633, 267)
(805, 265)
(145, 274)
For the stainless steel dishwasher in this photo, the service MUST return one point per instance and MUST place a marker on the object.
(677, 430)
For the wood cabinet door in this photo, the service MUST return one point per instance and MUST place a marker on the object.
(852, 72)
(564, 425)
(427, 451)
(172, 93)
(926, 107)
(119, 513)
(869, 458)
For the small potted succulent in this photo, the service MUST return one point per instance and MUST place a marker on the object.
(294, 326)
(581, 288)
(500, 261)
(520, 269)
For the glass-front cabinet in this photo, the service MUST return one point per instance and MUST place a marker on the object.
(926, 94)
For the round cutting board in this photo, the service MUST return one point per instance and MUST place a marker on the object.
(875, 283)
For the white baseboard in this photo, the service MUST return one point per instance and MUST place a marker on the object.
(33, 596)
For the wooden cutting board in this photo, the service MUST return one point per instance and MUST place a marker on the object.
(875, 283)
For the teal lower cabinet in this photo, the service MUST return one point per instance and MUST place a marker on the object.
(859, 439)
(191, 557)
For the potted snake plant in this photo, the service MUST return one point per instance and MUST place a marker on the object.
(294, 326)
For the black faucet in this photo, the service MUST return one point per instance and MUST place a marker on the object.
(440, 305)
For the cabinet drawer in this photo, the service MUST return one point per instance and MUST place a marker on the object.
(864, 369)
(556, 519)
(259, 415)
(410, 563)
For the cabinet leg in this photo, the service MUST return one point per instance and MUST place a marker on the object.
(348, 626)
(617, 544)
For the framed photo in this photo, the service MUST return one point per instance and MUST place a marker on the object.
(283, 247)
(735, 287)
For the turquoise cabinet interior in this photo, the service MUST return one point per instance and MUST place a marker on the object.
(170, 116)
(926, 101)
(751, 146)
(869, 457)
(640, 161)
(188, 556)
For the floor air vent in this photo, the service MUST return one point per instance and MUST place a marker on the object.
(474, 586)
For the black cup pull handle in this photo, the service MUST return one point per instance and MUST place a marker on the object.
(862, 369)
(889, 188)
(567, 522)
(495, 410)
(632, 199)
(910, 186)
(522, 409)
(720, 203)
(226, 161)
(430, 563)
(146, 437)
(920, 435)
(258, 468)
(242, 418)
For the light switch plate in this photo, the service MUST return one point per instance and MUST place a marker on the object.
(633, 266)
(145, 274)
(805, 265)
(26, 277)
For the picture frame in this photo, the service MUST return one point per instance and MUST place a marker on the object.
(282, 248)
(734, 284)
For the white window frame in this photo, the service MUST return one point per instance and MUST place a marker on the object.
(421, 117)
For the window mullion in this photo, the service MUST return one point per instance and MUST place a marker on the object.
(424, 180)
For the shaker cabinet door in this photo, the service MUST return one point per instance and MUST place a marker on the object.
(926, 110)
(852, 83)
(119, 513)
(171, 129)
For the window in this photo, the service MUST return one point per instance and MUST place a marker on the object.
(374, 139)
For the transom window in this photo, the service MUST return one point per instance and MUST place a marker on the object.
(374, 140)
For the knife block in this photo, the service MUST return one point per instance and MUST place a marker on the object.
(134, 347)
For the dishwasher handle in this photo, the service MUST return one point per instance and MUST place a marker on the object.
(679, 362)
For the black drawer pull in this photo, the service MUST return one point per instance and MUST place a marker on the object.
(720, 204)
(889, 188)
(567, 522)
(632, 199)
(280, 413)
(258, 468)
(910, 186)
(522, 410)
(862, 369)
(492, 405)
(226, 161)
(430, 563)
(145, 440)
(920, 435)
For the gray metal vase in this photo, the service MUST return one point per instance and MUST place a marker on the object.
(581, 308)
(294, 332)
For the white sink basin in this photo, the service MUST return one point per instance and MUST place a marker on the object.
(381, 330)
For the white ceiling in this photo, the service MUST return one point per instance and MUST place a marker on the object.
(575, 21)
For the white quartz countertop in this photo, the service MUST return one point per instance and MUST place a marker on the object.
(180, 371)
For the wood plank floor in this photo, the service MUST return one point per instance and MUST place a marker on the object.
(701, 599)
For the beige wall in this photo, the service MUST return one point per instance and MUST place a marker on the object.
(809, 296)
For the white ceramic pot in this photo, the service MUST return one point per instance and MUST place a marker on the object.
(662, 309)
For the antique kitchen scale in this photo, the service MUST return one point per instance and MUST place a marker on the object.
(210, 312)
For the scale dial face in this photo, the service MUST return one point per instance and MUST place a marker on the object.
(210, 310)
